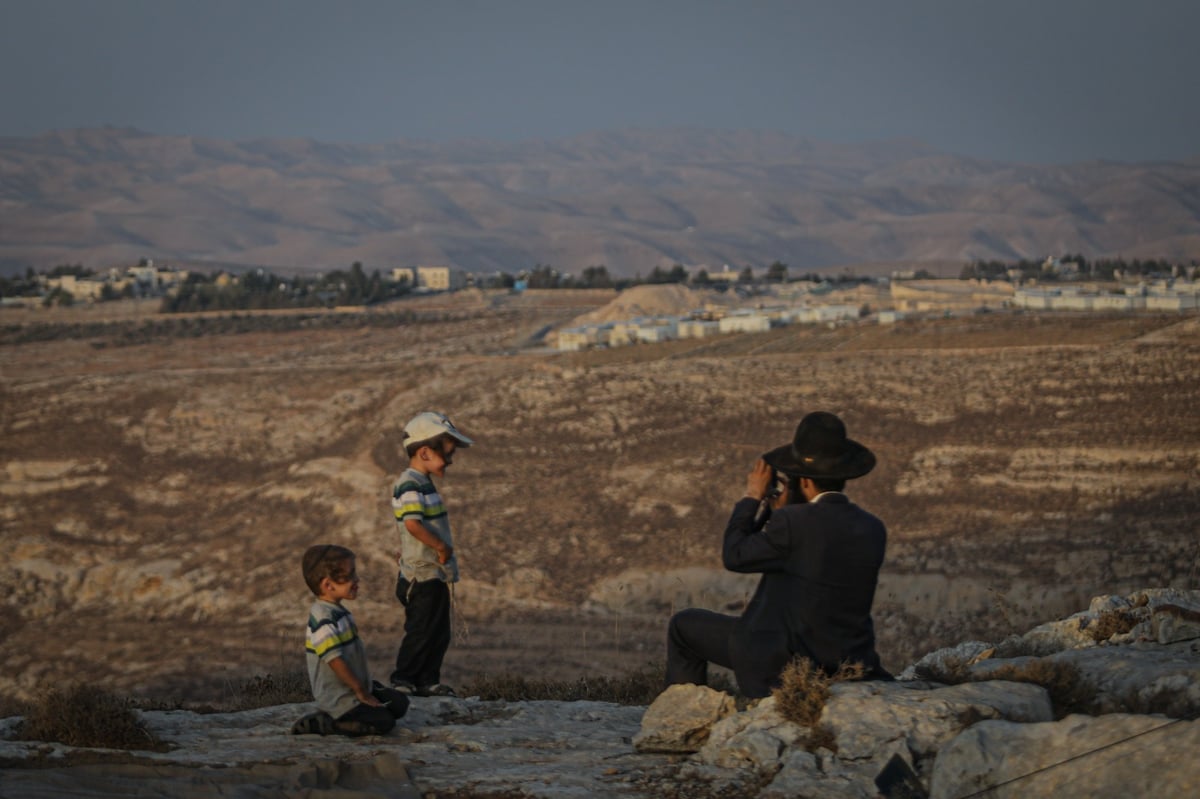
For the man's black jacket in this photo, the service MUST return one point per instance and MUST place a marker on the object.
(820, 565)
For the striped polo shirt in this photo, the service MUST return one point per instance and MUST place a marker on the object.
(331, 634)
(415, 497)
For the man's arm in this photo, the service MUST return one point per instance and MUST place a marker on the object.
(747, 549)
(420, 532)
(361, 693)
(747, 546)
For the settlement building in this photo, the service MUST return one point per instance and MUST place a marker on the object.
(431, 278)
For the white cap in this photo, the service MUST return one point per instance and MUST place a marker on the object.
(431, 424)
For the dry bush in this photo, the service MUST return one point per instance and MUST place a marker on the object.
(1111, 622)
(12, 707)
(635, 688)
(804, 689)
(86, 717)
(821, 737)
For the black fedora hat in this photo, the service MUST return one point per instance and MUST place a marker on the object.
(820, 449)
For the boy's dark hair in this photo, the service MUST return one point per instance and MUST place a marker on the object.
(437, 443)
(325, 560)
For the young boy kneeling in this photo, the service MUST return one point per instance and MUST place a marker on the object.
(350, 703)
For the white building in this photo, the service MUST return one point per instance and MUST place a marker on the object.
(80, 288)
(745, 323)
(697, 328)
(726, 275)
(1117, 302)
(431, 278)
(1035, 299)
(574, 339)
(623, 333)
(816, 314)
(657, 329)
(1073, 302)
(1171, 302)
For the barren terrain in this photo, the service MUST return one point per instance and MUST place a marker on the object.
(159, 486)
(628, 199)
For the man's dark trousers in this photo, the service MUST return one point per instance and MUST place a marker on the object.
(696, 638)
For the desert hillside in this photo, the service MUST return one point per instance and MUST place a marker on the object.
(630, 200)
(162, 477)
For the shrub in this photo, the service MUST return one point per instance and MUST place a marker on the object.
(804, 689)
(86, 717)
(1111, 622)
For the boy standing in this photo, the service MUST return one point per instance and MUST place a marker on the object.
(426, 557)
(349, 703)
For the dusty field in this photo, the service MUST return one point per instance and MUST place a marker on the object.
(156, 496)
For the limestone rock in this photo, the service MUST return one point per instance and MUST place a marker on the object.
(801, 777)
(946, 660)
(680, 718)
(866, 717)
(1114, 756)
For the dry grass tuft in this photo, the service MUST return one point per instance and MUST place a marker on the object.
(268, 690)
(1111, 622)
(804, 689)
(821, 737)
(86, 717)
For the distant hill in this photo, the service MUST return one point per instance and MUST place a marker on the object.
(630, 200)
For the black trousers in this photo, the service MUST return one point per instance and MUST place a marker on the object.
(695, 638)
(426, 631)
(367, 720)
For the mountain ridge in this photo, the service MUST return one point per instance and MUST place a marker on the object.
(631, 200)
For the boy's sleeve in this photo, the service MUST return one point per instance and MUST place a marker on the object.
(326, 637)
(406, 501)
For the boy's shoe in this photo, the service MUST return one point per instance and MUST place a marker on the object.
(437, 689)
(319, 723)
(404, 686)
(354, 729)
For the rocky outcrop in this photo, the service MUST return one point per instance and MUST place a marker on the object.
(1128, 659)
(1117, 756)
(992, 730)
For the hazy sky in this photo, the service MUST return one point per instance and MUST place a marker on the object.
(1015, 80)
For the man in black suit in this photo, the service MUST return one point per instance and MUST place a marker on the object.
(819, 555)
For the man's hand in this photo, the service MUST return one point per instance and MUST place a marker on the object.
(759, 480)
(444, 553)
